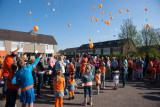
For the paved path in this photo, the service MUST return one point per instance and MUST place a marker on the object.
(135, 94)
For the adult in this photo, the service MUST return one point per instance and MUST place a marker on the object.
(93, 62)
(58, 64)
(140, 68)
(83, 63)
(156, 63)
(7, 68)
(1, 60)
(108, 66)
(97, 62)
(40, 71)
(120, 63)
(51, 61)
(130, 68)
(101, 61)
(114, 65)
(89, 58)
(63, 64)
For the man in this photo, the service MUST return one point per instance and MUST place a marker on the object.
(7, 68)
(51, 61)
(130, 68)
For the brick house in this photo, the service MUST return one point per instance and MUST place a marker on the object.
(106, 48)
(30, 42)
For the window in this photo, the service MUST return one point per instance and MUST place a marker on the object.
(64, 53)
(28, 43)
(17, 44)
(2, 43)
(40, 43)
(90, 52)
(49, 47)
(98, 51)
(72, 53)
(106, 51)
(116, 50)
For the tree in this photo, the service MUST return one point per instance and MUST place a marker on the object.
(128, 33)
(150, 39)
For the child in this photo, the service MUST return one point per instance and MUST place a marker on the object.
(59, 85)
(134, 71)
(12, 90)
(98, 82)
(116, 78)
(24, 76)
(103, 70)
(154, 74)
(87, 78)
(78, 69)
(71, 87)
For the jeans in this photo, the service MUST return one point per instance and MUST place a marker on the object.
(102, 78)
(11, 98)
(4, 86)
(34, 77)
(129, 72)
(78, 72)
(124, 78)
(86, 90)
(140, 73)
(40, 82)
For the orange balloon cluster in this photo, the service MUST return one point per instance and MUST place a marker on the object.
(48, 4)
(102, 12)
(127, 10)
(91, 45)
(120, 11)
(24, 56)
(36, 28)
(89, 39)
(147, 25)
(100, 5)
(105, 22)
(30, 13)
(96, 19)
(111, 18)
(69, 25)
(93, 7)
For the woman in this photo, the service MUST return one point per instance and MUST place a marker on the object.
(40, 72)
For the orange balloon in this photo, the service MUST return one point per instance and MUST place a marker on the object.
(93, 7)
(147, 25)
(91, 19)
(111, 18)
(102, 12)
(120, 11)
(96, 19)
(146, 9)
(48, 4)
(36, 28)
(127, 10)
(30, 13)
(108, 22)
(100, 5)
(69, 25)
(91, 45)
(105, 22)
(89, 39)
(24, 56)
(110, 14)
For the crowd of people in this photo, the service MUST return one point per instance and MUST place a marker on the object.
(61, 74)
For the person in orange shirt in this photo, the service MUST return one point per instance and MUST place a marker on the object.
(12, 89)
(130, 68)
(134, 71)
(154, 73)
(70, 67)
(7, 68)
(83, 63)
(71, 87)
(103, 72)
(1, 60)
(59, 85)
(98, 79)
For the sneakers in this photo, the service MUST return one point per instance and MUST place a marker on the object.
(89, 103)
(84, 104)
(72, 97)
(69, 98)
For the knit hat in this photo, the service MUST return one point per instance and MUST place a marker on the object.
(20, 62)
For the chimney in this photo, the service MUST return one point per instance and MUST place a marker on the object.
(31, 32)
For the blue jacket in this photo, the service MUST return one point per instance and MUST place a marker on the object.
(25, 75)
(88, 76)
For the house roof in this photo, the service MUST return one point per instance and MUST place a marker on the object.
(26, 37)
(70, 49)
(105, 44)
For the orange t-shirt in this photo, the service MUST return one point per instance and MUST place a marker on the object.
(1, 71)
(130, 63)
(154, 72)
(150, 65)
(140, 67)
(60, 85)
(97, 77)
(157, 64)
(11, 86)
(1, 60)
(70, 81)
(70, 67)
(7, 65)
(103, 69)
(134, 67)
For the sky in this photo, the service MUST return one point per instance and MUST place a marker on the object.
(54, 19)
